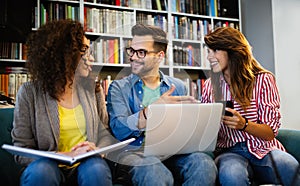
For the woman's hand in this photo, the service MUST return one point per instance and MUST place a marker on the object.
(236, 121)
(85, 146)
(80, 148)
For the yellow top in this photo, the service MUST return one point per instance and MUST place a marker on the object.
(72, 129)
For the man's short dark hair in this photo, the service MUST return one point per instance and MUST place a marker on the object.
(159, 36)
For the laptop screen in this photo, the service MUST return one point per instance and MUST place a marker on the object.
(182, 128)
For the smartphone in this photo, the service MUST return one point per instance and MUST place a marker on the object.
(228, 104)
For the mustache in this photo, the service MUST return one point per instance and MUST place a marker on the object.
(132, 61)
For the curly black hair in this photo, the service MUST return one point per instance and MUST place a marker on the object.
(53, 54)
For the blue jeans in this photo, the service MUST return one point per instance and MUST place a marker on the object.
(237, 166)
(44, 171)
(189, 169)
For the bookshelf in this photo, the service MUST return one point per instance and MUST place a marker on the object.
(185, 21)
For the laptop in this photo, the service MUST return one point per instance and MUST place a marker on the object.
(182, 128)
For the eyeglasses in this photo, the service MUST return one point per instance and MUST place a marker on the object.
(87, 52)
(141, 53)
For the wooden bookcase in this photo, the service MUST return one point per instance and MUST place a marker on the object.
(108, 25)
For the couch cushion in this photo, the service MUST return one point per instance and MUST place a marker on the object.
(290, 138)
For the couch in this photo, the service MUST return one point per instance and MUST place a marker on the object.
(10, 171)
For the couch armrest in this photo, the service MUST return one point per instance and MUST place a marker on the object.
(290, 138)
(9, 170)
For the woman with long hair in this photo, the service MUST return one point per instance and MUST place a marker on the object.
(60, 110)
(246, 145)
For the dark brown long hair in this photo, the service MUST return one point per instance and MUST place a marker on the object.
(242, 65)
(53, 54)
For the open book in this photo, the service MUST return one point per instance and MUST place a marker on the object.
(63, 158)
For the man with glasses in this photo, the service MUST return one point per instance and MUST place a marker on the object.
(127, 103)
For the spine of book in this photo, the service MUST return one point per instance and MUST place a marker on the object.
(199, 87)
(116, 51)
(194, 29)
(12, 85)
(111, 51)
(5, 84)
(187, 83)
(158, 5)
(104, 47)
(149, 4)
(190, 55)
(99, 50)
(20, 50)
(18, 82)
(24, 78)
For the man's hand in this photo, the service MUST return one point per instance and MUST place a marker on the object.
(167, 98)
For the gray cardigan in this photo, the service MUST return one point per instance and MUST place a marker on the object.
(36, 120)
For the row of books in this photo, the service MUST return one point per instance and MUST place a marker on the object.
(13, 50)
(196, 29)
(106, 50)
(116, 22)
(54, 11)
(194, 87)
(226, 24)
(146, 4)
(105, 84)
(217, 8)
(120, 21)
(10, 83)
(153, 19)
(192, 29)
(186, 55)
(200, 7)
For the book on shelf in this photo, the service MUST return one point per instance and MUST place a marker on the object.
(10, 81)
(61, 157)
(158, 5)
(12, 85)
(12, 50)
(194, 87)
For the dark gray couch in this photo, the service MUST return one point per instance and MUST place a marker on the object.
(10, 171)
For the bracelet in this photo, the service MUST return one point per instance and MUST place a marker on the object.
(144, 114)
(246, 124)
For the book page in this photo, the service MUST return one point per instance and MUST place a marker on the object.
(32, 153)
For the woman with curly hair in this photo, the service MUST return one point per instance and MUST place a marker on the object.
(59, 109)
(246, 145)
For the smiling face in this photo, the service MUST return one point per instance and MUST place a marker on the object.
(218, 60)
(150, 63)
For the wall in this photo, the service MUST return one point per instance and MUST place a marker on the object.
(257, 27)
(286, 25)
(272, 27)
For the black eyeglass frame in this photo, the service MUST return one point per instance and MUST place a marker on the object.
(87, 52)
(130, 52)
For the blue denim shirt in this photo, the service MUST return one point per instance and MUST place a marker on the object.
(124, 102)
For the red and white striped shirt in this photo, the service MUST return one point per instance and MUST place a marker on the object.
(263, 109)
